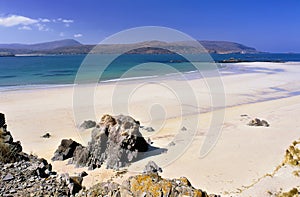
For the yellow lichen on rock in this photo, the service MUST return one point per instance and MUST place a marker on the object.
(153, 185)
(108, 120)
(292, 193)
(292, 154)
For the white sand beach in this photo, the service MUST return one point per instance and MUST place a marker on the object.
(242, 155)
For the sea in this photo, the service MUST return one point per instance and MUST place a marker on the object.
(22, 72)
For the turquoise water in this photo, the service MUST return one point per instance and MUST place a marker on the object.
(62, 69)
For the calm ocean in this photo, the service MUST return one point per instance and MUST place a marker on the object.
(41, 71)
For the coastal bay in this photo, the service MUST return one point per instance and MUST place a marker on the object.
(242, 154)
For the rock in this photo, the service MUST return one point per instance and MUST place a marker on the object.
(264, 123)
(47, 135)
(124, 140)
(294, 192)
(183, 129)
(151, 184)
(147, 184)
(75, 184)
(65, 150)
(76, 179)
(258, 122)
(7, 138)
(183, 181)
(8, 165)
(148, 129)
(152, 167)
(87, 124)
(31, 179)
(115, 140)
(83, 174)
(8, 177)
(80, 156)
(149, 141)
(44, 170)
(25, 182)
(10, 151)
(2, 120)
(292, 154)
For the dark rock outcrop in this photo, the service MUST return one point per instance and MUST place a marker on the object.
(10, 151)
(2, 120)
(66, 150)
(35, 178)
(27, 175)
(87, 124)
(258, 122)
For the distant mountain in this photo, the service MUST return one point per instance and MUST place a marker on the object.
(71, 46)
(226, 47)
(42, 46)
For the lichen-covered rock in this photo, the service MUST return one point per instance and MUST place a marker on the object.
(149, 184)
(152, 184)
(292, 193)
(109, 189)
(292, 154)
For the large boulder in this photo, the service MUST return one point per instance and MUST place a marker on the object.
(65, 150)
(115, 140)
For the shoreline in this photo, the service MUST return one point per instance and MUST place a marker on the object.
(229, 69)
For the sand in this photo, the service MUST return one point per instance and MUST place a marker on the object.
(241, 156)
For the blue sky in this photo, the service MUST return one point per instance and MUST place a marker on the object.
(271, 25)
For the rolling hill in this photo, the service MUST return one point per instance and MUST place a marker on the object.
(70, 46)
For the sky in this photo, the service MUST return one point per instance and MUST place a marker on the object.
(267, 25)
